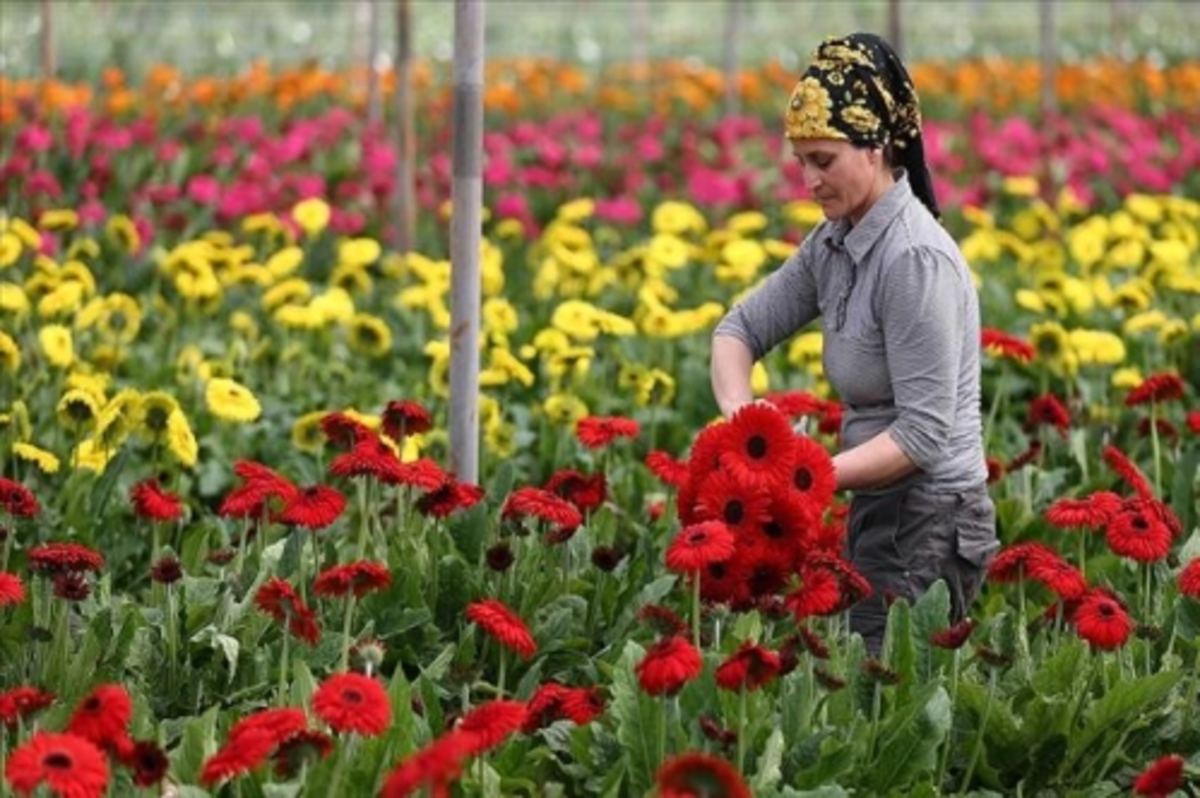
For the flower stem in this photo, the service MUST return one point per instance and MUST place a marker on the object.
(987, 713)
(696, 610)
(741, 735)
(347, 625)
(945, 763)
(281, 698)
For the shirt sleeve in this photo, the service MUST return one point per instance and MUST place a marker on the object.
(923, 317)
(777, 309)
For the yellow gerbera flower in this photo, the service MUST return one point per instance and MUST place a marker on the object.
(157, 407)
(657, 387)
(369, 335)
(10, 249)
(295, 290)
(358, 251)
(46, 462)
(58, 219)
(57, 345)
(312, 215)
(77, 409)
(564, 409)
(90, 455)
(13, 299)
(122, 232)
(230, 401)
(285, 261)
(334, 306)
(66, 297)
(10, 353)
(677, 218)
(120, 417)
(181, 442)
(307, 433)
(121, 319)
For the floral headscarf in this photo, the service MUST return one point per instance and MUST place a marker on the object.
(856, 89)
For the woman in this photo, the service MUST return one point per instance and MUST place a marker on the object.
(900, 323)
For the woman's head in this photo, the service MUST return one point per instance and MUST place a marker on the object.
(857, 93)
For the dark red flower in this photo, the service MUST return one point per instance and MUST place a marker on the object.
(103, 715)
(18, 500)
(1157, 388)
(607, 558)
(1016, 561)
(668, 665)
(796, 404)
(259, 484)
(357, 577)
(696, 774)
(490, 724)
(742, 506)
(1064, 579)
(278, 598)
(67, 764)
(449, 497)
(503, 624)
(343, 431)
(499, 556)
(1125, 468)
(22, 702)
(304, 747)
(812, 642)
(955, 636)
(765, 569)
(402, 417)
(1101, 619)
(314, 507)
(761, 446)
(1138, 534)
(277, 724)
(668, 469)
(239, 755)
(71, 586)
(435, 767)
(1163, 777)
(662, 620)
(705, 455)
(1003, 344)
(1189, 579)
(1090, 512)
(11, 590)
(819, 593)
(812, 472)
(791, 525)
(699, 545)
(553, 701)
(422, 473)
(148, 761)
(596, 432)
(541, 504)
(750, 667)
(586, 492)
(368, 457)
(1193, 421)
(1048, 410)
(57, 558)
(725, 582)
(1024, 458)
(166, 571)
(353, 703)
(582, 705)
(153, 503)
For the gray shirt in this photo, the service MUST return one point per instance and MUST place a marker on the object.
(900, 324)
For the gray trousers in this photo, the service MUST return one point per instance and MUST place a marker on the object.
(903, 541)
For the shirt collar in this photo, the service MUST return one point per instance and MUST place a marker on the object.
(859, 239)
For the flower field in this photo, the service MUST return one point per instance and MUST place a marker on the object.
(233, 560)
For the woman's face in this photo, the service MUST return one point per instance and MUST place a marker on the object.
(845, 180)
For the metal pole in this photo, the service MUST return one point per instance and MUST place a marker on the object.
(895, 27)
(733, 37)
(47, 41)
(406, 148)
(374, 20)
(465, 239)
(1048, 38)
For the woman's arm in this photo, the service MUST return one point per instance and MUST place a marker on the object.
(872, 464)
(729, 368)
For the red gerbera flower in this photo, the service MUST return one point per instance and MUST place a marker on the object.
(241, 755)
(1090, 512)
(1189, 579)
(762, 446)
(705, 455)
(21, 702)
(304, 747)
(1193, 421)
(539, 503)
(278, 598)
(670, 663)
(357, 577)
(67, 764)
(750, 667)
(1064, 579)
(1125, 468)
(343, 431)
(259, 484)
(503, 624)
(553, 701)
(662, 620)
(995, 470)
(742, 506)
(449, 497)
(586, 492)
(812, 642)
(1138, 534)
(152, 502)
(1016, 561)
(436, 767)
(724, 582)
(491, 723)
(796, 404)
(766, 570)
(812, 472)
(58, 558)
(955, 636)
(314, 507)
(1003, 344)
(421, 473)
(18, 500)
(1048, 410)
(353, 702)
(790, 527)
(148, 761)
(403, 417)
(11, 590)
(369, 457)
(695, 547)
(1161, 387)
(596, 432)
(103, 715)
(1101, 620)
(819, 593)
(1163, 777)
(695, 774)
(668, 469)
(277, 724)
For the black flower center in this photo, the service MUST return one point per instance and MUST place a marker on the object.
(773, 529)
(757, 447)
(803, 479)
(352, 697)
(58, 760)
(734, 512)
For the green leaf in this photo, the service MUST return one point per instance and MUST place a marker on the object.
(901, 652)
(909, 740)
(198, 739)
(1127, 702)
(1058, 674)
(224, 643)
(637, 718)
(769, 773)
